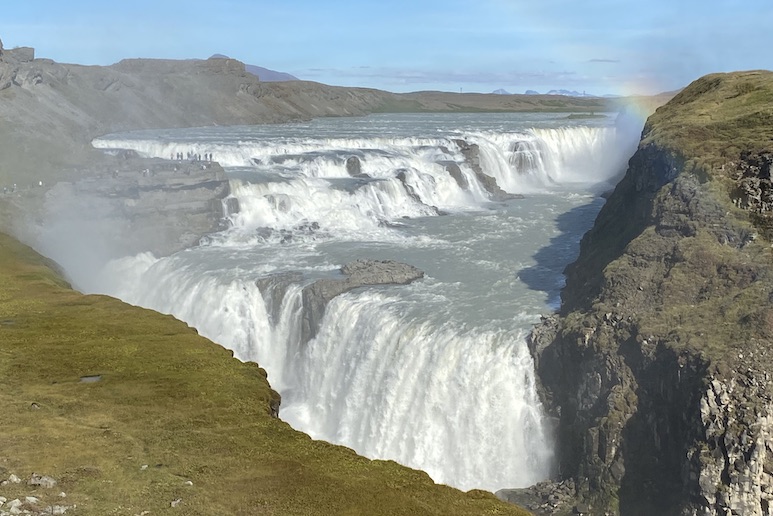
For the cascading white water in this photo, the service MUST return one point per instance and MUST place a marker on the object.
(435, 375)
(364, 382)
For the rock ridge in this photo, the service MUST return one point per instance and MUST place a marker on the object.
(353, 275)
(657, 366)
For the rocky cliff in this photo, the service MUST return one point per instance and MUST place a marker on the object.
(658, 366)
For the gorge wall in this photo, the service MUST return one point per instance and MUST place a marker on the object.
(658, 366)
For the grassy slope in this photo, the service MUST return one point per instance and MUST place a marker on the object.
(671, 256)
(716, 118)
(715, 297)
(172, 400)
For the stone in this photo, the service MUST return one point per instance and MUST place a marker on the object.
(176, 502)
(13, 479)
(42, 481)
(456, 173)
(402, 177)
(471, 153)
(354, 166)
(358, 273)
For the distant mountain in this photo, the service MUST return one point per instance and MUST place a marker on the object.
(264, 74)
(500, 91)
(568, 93)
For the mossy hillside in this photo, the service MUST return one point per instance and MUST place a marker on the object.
(715, 118)
(171, 400)
(671, 249)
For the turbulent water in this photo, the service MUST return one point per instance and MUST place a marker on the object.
(436, 374)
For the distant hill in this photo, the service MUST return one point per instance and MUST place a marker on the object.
(500, 91)
(264, 74)
(568, 93)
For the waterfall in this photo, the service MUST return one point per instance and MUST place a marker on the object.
(435, 375)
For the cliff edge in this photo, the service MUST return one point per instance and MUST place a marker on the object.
(114, 409)
(658, 366)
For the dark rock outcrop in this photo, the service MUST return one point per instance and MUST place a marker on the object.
(657, 369)
(354, 167)
(456, 173)
(401, 176)
(356, 274)
(471, 153)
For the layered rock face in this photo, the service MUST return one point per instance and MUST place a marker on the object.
(657, 368)
(135, 205)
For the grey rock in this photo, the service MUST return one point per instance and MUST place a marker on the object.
(456, 173)
(356, 274)
(471, 153)
(41, 481)
(20, 54)
(140, 205)
(401, 176)
(354, 166)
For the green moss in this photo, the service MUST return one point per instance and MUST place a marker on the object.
(173, 401)
(716, 118)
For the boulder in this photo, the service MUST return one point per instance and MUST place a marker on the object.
(354, 166)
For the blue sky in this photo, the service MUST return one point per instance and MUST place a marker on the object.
(600, 46)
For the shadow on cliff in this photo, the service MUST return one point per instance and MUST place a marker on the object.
(547, 274)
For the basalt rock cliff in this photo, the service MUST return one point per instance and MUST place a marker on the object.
(658, 366)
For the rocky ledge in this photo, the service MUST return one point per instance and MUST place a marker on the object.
(657, 368)
(356, 274)
(125, 205)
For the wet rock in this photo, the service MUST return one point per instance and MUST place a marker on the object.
(354, 166)
(356, 274)
(471, 152)
(412, 193)
(456, 173)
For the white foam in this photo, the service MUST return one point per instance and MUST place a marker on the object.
(384, 375)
